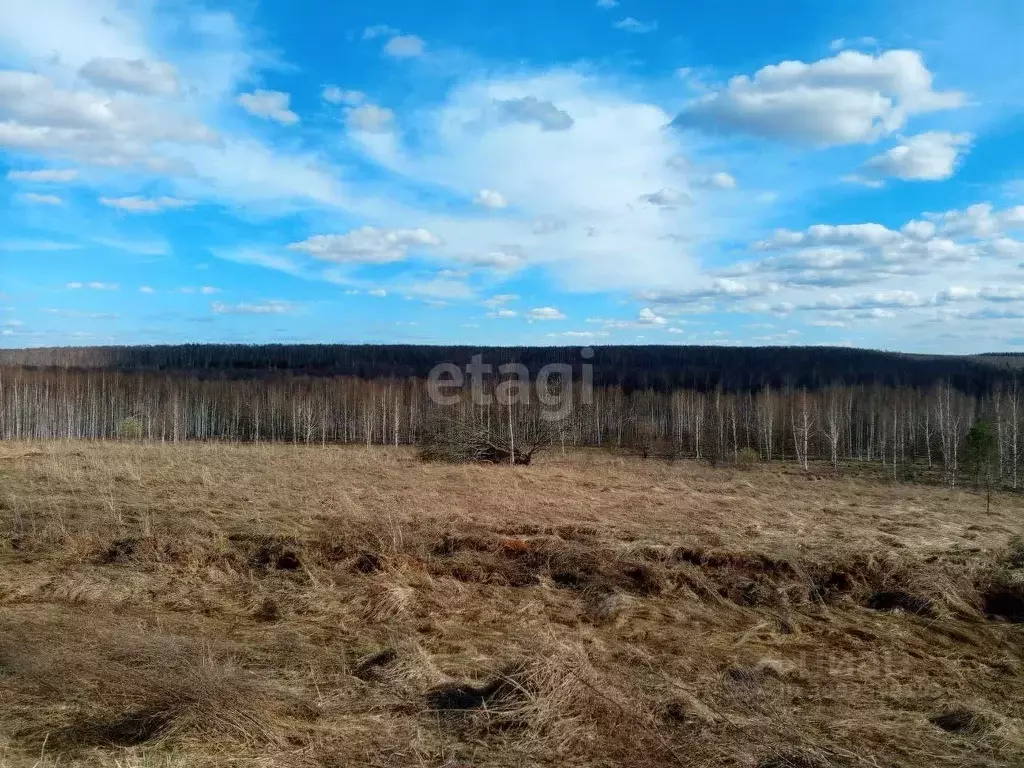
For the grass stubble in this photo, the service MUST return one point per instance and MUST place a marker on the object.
(207, 605)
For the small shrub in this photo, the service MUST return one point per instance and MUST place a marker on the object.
(747, 458)
(130, 428)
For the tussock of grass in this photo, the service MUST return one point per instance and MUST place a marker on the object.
(200, 605)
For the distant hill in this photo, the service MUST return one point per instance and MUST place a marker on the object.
(660, 368)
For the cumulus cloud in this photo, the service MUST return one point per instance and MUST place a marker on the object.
(368, 245)
(270, 105)
(936, 268)
(405, 46)
(828, 234)
(850, 98)
(336, 95)
(714, 289)
(143, 204)
(931, 156)
(980, 220)
(44, 176)
(531, 110)
(648, 316)
(919, 230)
(544, 313)
(96, 128)
(489, 198)
(369, 118)
(132, 75)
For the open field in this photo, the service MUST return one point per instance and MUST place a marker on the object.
(205, 605)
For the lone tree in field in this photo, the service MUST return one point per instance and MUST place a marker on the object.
(456, 439)
(982, 457)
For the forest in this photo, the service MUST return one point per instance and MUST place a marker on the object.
(906, 415)
(653, 367)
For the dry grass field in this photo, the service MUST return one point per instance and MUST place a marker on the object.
(212, 605)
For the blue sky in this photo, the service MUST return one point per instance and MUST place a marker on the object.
(626, 171)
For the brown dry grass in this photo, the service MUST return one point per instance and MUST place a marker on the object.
(201, 605)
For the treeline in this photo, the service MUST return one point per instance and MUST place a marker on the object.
(659, 368)
(895, 428)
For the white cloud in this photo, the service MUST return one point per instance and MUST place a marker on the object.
(577, 193)
(544, 313)
(143, 204)
(96, 286)
(719, 180)
(503, 313)
(629, 24)
(367, 245)
(270, 105)
(919, 230)
(379, 293)
(336, 95)
(667, 198)
(92, 127)
(44, 176)
(489, 198)
(507, 260)
(979, 221)
(850, 98)
(648, 316)
(718, 288)
(37, 199)
(133, 75)
(500, 299)
(531, 110)
(930, 156)
(260, 308)
(828, 234)
(607, 3)
(146, 289)
(58, 114)
(938, 268)
(404, 46)
(369, 118)
(580, 334)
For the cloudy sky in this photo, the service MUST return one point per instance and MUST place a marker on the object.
(618, 171)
